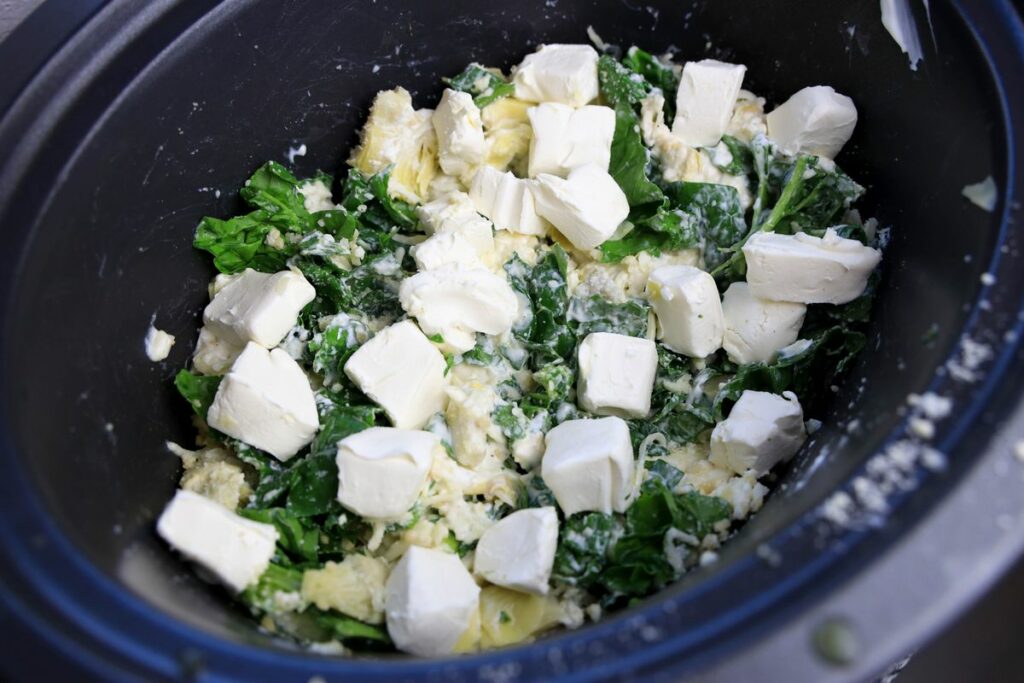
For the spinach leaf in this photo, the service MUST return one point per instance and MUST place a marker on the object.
(485, 86)
(811, 196)
(716, 214)
(259, 597)
(332, 348)
(242, 242)
(555, 381)
(597, 314)
(739, 161)
(629, 165)
(347, 629)
(808, 372)
(618, 556)
(314, 485)
(298, 540)
(584, 542)
(275, 190)
(547, 336)
(669, 229)
(664, 472)
(339, 422)
(367, 198)
(198, 390)
(361, 290)
(661, 76)
(619, 84)
(535, 493)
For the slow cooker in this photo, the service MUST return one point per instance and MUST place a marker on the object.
(124, 122)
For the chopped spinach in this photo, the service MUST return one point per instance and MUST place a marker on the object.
(198, 390)
(485, 86)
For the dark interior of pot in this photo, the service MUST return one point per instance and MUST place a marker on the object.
(174, 132)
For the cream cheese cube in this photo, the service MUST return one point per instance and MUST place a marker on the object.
(431, 599)
(705, 101)
(403, 372)
(507, 200)
(213, 355)
(448, 210)
(265, 401)
(761, 431)
(382, 469)
(558, 73)
(564, 138)
(453, 214)
(588, 465)
(815, 120)
(755, 329)
(587, 206)
(690, 319)
(258, 307)
(457, 303)
(805, 269)
(446, 248)
(616, 374)
(236, 550)
(519, 551)
(460, 133)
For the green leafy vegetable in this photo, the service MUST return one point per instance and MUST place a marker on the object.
(485, 86)
(658, 75)
(332, 348)
(299, 541)
(546, 336)
(275, 579)
(630, 165)
(627, 556)
(597, 314)
(619, 84)
(198, 390)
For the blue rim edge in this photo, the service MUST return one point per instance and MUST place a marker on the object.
(125, 633)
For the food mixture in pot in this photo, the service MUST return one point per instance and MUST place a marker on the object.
(534, 354)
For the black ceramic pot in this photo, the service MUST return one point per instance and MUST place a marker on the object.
(125, 122)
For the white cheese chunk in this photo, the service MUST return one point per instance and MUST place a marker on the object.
(588, 465)
(460, 133)
(457, 303)
(507, 200)
(158, 344)
(235, 549)
(213, 355)
(449, 209)
(519, 551)
(446, 248)
(258, 307)
(431, 600)
(403, 372)
(616, 374)
(316, 196)
(462, 231)
(755, 329)
(558, 73)
(805, 269)
(690, 319)
(564, 138)
(761, 431)
(265, 401)
(815, 120)
(382, 469)
(705, 101)
(587, 206)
